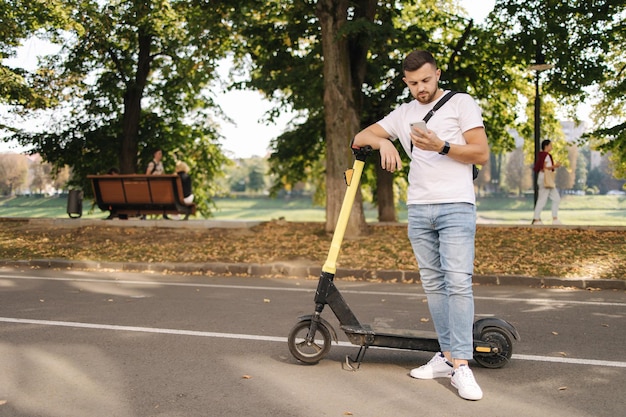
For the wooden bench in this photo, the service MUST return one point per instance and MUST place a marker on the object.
(140, 194)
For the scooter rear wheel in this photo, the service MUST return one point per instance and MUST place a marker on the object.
(309, 353)
(501, 339)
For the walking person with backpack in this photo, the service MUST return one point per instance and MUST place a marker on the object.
(544, 166)
(441, 207)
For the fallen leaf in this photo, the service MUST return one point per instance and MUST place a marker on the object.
(555, 333)
(500, 250)
(347, 413)
(246, 377)
(3, 402)
(562, 388)
(562, 353)
(266, 300)
(424, 320)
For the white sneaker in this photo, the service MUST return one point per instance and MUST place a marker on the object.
(463, 380)
(536, 221)
(437, 367)
(556, 221)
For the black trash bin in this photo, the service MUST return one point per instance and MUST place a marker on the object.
(75, 204)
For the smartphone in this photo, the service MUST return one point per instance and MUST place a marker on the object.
(419, 125)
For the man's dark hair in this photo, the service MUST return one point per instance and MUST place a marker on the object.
(416, 59)
(545, 143)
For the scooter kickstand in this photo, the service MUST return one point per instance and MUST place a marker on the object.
(348, 365)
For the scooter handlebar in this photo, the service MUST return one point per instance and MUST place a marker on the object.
(360, 154)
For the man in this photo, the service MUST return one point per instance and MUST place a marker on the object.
(441, 208)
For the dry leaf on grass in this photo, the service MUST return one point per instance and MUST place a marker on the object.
(584, 253)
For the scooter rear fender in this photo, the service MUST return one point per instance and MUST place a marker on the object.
(480, 325)
(309, 317)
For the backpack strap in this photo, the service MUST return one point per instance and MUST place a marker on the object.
(440, 103)
(432, 111)
(437, 106)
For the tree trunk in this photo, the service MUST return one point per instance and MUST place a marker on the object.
(341, 111)
(132, 107)
(384, 195)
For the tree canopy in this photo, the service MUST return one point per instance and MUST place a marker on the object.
(134, 76)
(583, 43)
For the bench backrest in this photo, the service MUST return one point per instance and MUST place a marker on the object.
(137, 190)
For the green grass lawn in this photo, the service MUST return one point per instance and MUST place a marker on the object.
(575, 210)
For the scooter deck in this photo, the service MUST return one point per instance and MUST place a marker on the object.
(366, 335)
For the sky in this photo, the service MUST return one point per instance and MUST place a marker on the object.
(249, 135)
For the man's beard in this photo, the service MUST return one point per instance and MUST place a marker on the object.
(425, 97)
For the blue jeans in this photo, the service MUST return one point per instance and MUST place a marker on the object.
(442, 237)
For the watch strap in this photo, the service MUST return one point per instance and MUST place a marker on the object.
(445, 149)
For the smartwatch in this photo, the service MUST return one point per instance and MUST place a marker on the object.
(445, 149)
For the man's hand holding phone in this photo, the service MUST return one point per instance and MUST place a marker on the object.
(420, 125)
(425, 139)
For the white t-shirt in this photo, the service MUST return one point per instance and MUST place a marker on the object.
(434, 178)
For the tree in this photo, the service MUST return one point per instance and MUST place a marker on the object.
(61, 177)
(19, 20)
(610, 112)
(40, 176)
(338, 65)
(566, 177)
(13, 172)
(256, 179)
(518, 176)
(571, 36)
(582, 40)
(133, 77)
(602, 177)
(344, 58)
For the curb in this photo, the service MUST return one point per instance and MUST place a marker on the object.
(287, 270)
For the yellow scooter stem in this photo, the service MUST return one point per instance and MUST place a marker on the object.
(353, 178)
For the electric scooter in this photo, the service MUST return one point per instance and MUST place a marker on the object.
(310, 339)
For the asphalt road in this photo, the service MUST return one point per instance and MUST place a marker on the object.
(91, 344)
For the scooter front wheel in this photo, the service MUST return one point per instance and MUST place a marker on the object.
(501, 340)
(313, 352)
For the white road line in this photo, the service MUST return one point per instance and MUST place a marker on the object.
(574, 361)
(142, 329)
(550, 301)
